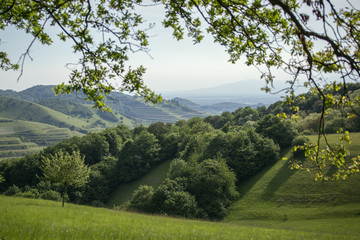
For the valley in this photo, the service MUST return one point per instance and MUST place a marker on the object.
(226, 170)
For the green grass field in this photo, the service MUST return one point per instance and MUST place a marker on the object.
(39, 219)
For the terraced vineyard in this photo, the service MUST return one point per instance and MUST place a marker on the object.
(19, 138)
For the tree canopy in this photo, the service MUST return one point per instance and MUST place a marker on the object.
(66, 170)
(317, 42)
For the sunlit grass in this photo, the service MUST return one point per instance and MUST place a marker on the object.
(38, 219)
(288, 199)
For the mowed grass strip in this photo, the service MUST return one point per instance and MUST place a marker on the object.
(124, 191)
(39, 219)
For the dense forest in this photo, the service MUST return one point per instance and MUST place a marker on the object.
(210, 157)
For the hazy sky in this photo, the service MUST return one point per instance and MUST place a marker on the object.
(176, 65)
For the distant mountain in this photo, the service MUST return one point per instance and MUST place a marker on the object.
(186, 102)
(215, 109)
(246, 92)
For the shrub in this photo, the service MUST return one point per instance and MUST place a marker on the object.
(142, 199)
(180, 204)
(50, 195)
(12, 191)
(299, 141)
(29, 193)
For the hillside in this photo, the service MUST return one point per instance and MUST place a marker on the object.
(12, 108)
(122, 105)
(282, 198)
(124, 192)
(19, 138)
(39, 219)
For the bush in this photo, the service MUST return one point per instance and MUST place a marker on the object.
(50, 195)
(279, 130)
(29, 193)
(297, 142)
(12, 191)
(142, 199)
(181, 204)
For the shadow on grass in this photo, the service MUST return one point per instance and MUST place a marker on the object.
(244, 186)
(280, 178)
(124, 191)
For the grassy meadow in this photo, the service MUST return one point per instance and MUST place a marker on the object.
(39, 219)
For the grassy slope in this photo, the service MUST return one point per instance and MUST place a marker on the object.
(124, 191)
(282, 198)
(28, 111)
(38, 219)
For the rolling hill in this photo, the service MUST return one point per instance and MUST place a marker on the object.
(128, 106)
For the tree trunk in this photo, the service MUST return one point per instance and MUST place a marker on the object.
(63, 196)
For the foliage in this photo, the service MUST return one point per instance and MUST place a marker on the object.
(101, 61)
(66, 170)
(281, 131)
(86, 147)
(120, 155)
(203, 190)
(102, 180)
(142, 198)
(137, 156)
(213, 185)
(2, 179)
(43, 190)
(20, 172)
(299, 141)
(172, 199)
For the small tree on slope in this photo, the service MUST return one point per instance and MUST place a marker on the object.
(66, 170)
